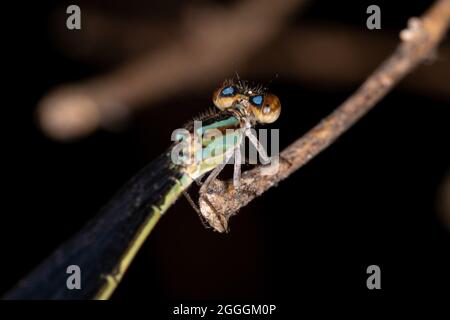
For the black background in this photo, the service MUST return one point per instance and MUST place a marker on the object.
(371, 198)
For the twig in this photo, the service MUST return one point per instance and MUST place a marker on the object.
(105, 247)
(418, 43)
(355, 53)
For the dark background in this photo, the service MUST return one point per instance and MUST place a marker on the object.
(371, 198)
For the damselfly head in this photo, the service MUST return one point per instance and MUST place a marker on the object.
(264, 106)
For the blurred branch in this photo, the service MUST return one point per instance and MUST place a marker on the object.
(299, 52)
(443, 201)
(418, 42)
(212, 43)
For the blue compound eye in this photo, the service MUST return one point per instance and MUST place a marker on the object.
(257, 100)
(228, 91)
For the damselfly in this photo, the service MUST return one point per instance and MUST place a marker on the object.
(207, 144)
(105, 247)
(145, 198)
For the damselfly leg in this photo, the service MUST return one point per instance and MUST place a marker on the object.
(237, 165)
(259, 147)
(196, 209)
